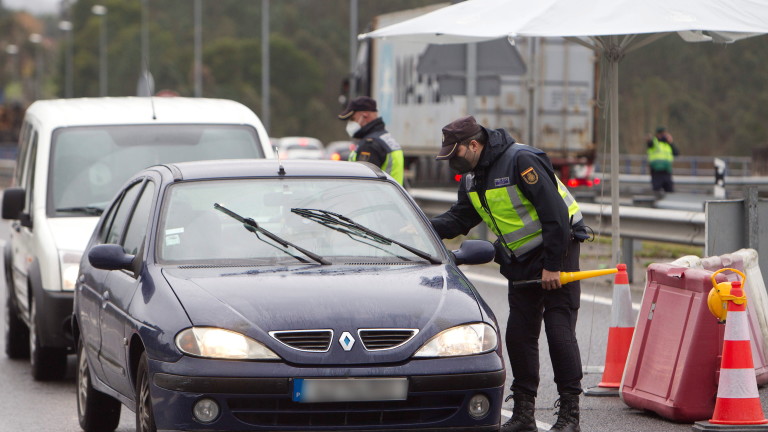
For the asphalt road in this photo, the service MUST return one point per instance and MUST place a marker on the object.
(29, 406)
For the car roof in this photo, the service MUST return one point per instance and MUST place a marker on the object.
(232, 168)
(139, 110)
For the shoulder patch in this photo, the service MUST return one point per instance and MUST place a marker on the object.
(530, 176)
(364, 157)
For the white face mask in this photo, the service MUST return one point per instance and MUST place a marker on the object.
(352, 128)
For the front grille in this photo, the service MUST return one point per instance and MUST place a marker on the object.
(382, 339)
(284, 412)
(305, 340)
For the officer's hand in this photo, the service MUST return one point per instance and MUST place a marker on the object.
(550, 280)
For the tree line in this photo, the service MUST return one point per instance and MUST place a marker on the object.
(710, 97)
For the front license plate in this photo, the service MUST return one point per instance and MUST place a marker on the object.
(309, 390)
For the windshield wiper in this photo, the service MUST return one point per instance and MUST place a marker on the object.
(346, 225)
(254, 227)
(89, 210)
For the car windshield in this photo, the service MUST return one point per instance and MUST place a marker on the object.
(192, 230)
(89, 164)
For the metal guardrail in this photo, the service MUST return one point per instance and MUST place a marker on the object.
(737, 166)
(671, 226)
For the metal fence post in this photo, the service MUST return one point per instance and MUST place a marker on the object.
(628, 254)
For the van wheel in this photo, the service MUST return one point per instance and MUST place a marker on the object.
(16, 332)
(145, 417)
(96, 411)
(47, 363)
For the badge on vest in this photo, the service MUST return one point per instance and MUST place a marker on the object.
(530, 176)
(499, 182)
(364, 157)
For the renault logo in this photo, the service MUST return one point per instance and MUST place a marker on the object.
(346, 341)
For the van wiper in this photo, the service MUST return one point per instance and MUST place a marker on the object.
(346, 225)
(89, 210)
(254, 227)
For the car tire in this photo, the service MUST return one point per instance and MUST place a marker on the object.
(47, 363)
(145, 418)
(96, 411)
(16, 332)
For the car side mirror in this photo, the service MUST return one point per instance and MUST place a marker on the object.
(110, 257)
(474, 252)
(13, 202)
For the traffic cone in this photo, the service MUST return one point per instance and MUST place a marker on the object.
(737, 407)
(619, 337)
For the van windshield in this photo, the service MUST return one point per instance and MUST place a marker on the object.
(89, 164)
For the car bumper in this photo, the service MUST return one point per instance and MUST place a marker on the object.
(436, 401)
(55, 315)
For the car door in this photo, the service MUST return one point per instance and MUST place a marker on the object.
(129, 230)
(22, 236)
(91, 286)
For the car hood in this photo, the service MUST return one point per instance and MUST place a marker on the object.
(72, 233)
(256, 301)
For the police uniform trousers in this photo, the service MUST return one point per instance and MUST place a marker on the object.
(558, 309)
(662, 180)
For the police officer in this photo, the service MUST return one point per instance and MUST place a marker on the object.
(661, 154)
(373, 143)
(513, 189)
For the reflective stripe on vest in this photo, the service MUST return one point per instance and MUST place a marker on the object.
(516, 217)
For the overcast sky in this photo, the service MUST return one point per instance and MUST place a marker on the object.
(33, 6)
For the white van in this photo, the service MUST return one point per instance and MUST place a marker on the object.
(73, 156)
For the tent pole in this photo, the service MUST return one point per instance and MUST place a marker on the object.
(614, 107)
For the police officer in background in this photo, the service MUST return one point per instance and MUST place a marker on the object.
(661, 155)
(513, 189)
(373, 143)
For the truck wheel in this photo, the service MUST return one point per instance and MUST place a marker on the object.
(47, 363)
(96, 411)
(16, 332)
(145, 416)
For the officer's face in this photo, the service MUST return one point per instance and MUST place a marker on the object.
(466, 158)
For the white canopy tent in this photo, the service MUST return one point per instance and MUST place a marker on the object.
(611, 27)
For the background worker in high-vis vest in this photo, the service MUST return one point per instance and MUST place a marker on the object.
(373, 143)
(661, 155)
(513, 189)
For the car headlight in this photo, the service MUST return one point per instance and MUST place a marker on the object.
(70, 266)
(467, 339)
(218, 343)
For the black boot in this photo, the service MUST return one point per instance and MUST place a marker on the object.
(523, 419)
(568, 414)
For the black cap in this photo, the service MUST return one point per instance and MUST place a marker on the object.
(362, 103)
(661, 129)
(456, 132)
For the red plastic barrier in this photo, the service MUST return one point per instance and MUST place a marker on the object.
(675, 353)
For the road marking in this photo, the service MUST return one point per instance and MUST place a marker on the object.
(500, 280)
(539, 424)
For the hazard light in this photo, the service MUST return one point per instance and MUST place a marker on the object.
(457, 177)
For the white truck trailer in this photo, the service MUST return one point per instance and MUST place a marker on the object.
(542, 90)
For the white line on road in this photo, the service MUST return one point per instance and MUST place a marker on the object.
(539, 424)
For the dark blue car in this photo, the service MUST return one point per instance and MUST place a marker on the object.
(308, 296)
